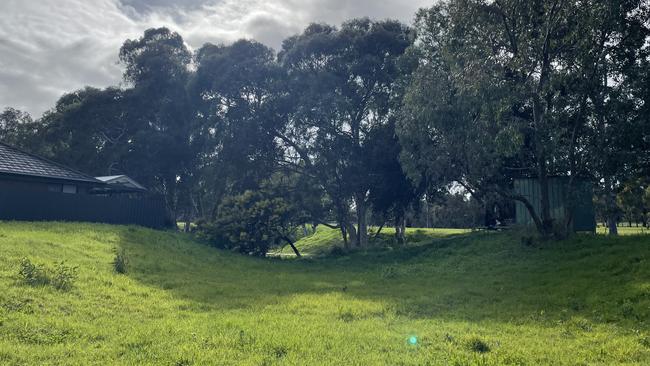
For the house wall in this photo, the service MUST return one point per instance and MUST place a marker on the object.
(28, 184)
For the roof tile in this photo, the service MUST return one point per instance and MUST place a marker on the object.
(15, 161)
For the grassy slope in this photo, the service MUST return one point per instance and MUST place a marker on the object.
(584, 301)
(325, 239)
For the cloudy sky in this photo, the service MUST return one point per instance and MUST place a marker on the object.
(48, 47)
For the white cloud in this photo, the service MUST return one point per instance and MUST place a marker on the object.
(48, 47)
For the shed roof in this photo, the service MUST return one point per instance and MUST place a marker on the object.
(17, 162)
(123, 180)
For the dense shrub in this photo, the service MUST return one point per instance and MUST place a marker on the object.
(251, 223)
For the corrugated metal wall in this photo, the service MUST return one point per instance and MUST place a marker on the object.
(583, 213)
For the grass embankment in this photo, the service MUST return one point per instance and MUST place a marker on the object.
(325, 240)
(479, 298)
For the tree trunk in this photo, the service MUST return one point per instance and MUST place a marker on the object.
(352, 235)
(344, 234)
(611, 208)
(295, 250)
(400, 229)
(611, 224)
(379, 231)
(545, 202)
(362, 223)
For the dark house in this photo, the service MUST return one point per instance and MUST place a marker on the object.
(34, 188)
(23, 171)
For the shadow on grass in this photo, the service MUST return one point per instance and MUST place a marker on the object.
(473, 277)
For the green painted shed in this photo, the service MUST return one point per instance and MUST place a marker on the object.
(582, 198)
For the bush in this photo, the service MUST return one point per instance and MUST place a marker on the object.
(63, 276)
(33, 274)
(121, 261)
(251, 223)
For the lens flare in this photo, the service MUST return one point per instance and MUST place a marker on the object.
(413, 340)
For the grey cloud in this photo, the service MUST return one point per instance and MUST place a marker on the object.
(48, 47)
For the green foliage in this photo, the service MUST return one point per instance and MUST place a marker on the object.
(61, 277)
(121, 261)
(344, 84)
(250, 223)
(17, 128)
(32, 274)
(492, 100)
(190, 303)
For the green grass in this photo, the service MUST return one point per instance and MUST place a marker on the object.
(325, 240)
(478, 298)
(625, 230)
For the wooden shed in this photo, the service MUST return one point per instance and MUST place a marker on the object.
(581, 200)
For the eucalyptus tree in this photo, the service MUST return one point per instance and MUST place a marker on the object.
(17, 128)
(157, 68)
(342, 83)
(89, 129)
(391, 192)
(509, 88)
(234, 90)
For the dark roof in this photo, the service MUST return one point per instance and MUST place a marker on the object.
(17, 162)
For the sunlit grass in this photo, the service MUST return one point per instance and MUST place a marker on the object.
(324, 240)
(477, 298)
(624, 230)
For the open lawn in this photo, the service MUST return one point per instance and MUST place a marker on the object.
(462, 299)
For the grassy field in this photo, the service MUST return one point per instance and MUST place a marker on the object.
(461, 299)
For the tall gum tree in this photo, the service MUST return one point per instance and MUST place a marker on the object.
(343, 82)
(504, 89)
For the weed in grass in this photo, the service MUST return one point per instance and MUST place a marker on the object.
(476, 344)
(644, 340)
(389, 272)
(121, 261)
(24, 306)
(346, 316)
(279, 351)
(33, 274)
(63, 276)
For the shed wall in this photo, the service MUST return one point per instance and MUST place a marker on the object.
(583, 210)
